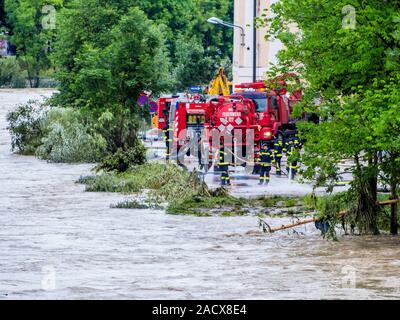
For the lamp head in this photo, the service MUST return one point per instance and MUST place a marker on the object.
(215, 20)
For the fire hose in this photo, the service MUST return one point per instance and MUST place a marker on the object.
(248, 162)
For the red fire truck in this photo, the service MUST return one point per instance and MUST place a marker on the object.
(253, 106)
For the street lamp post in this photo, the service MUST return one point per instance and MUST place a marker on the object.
(218, 21)
(254, 42)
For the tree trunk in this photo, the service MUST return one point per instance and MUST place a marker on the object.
(37, 82)
(37, 78)
(31, 84)
(367, 188)
(393, 219)
(368, 208)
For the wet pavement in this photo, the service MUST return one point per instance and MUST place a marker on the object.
(58, 242)
(245, 184)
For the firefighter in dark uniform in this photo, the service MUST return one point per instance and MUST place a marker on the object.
(224, 168)
(200, 151)
(266, 158)
(257, 167)
(278, 152)
(294, 147)
(284, 148)
(289, 154)
(168, 140)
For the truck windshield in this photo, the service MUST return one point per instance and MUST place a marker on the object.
(261, 104)
(259, 99)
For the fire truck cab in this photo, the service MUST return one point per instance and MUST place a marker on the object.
(273, 108)
(189, 119)
(166, 109)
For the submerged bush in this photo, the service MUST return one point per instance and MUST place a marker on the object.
(130, 205)
(122, 160)
(193, 204)
(110, 182)
(54, 134)
(69, 138)
(25, 126)
(11, 74)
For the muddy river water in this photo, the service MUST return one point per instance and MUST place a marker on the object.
(58, 242)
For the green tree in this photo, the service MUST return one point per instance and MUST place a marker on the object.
(349, 60)
(192, 65)
(2, 15)
(106, 55)
(184, 23)
(31, 35)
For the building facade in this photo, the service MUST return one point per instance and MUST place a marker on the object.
(252, 61)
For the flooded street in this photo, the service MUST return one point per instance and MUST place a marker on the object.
(58, 242)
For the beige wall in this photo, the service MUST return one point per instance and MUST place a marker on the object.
(243, 56)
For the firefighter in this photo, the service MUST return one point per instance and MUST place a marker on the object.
(265, 165)
(294, 148)
(297, 143)
(168, 140)
(284, 148)
(257, 167)
(200, 151)
(278, 152)
(224, 167)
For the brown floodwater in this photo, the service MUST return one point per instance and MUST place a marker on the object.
(58, 242)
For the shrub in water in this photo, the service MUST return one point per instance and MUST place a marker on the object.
(72, 135)
(11, 74)
(25, 126)
(69, 139)
(122, 160)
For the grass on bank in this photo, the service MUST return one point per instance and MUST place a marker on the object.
(183, 192)
(166, 182)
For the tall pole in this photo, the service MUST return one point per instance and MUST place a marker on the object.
(254, 43)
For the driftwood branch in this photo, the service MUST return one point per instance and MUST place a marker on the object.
(388, 202)
(311, 220)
